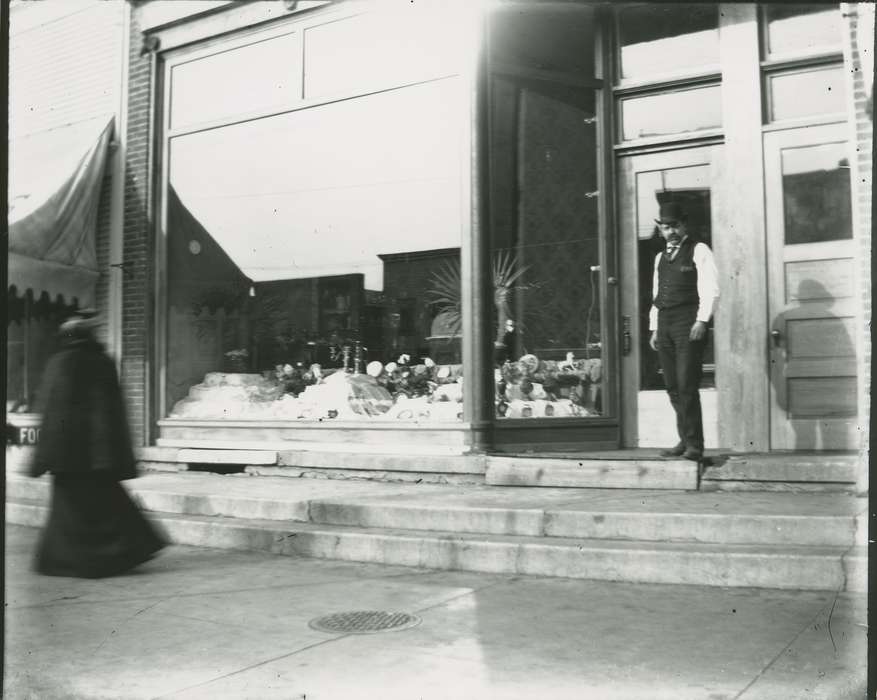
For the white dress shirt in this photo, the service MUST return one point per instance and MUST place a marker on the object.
(707, 283)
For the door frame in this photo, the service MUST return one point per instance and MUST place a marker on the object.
(627, 167)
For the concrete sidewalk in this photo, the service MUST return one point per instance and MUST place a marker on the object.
(208, 623)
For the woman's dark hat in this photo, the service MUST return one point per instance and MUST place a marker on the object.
(671, 211)
(81, 320)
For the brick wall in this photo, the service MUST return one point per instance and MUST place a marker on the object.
(137, 247)
(862, 170)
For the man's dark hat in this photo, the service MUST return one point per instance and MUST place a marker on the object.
(671, 211)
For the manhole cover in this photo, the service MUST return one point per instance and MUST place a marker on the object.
(364, 622)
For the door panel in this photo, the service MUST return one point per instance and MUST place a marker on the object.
(811, 277)
(647, 418)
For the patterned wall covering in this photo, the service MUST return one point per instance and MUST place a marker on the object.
(558, 231)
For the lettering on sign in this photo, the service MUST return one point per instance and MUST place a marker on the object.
(22, 435)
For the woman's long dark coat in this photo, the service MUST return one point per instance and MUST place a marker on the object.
(84, 424)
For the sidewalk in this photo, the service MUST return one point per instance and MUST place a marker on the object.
(207, 623)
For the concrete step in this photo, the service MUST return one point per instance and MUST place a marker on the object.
(798, 568)
(569, 472)
(365, 434)
(592, 473)
(796, 472)
(815, 521)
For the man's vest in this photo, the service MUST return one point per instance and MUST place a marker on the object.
(677, 278)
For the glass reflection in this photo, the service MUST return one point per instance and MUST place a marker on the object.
(544, 215)
(300, 257)
(802, 28)
(807, 94)
(671, 113)
(816, 194)
(667, 37)
(257, 74)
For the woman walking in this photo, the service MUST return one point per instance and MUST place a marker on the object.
(94, 529)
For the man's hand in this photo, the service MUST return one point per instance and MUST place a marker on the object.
(653, 340)
(698, 331)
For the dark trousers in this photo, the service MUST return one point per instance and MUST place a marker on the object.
(682, 362)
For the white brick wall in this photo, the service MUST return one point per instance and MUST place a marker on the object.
(64, 62)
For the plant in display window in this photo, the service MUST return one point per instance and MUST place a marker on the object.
(445, 290)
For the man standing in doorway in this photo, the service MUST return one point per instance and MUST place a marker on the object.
(684, 293)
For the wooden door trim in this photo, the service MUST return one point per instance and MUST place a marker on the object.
(628, 166)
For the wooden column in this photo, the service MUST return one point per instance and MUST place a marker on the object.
(741, 326)
(475, 264)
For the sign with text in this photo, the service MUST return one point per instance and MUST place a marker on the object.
(22, 434)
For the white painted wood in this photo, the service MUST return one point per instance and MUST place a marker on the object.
(798, 369)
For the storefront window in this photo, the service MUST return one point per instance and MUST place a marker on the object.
(257, 74)
(545, 236)
(379, 48)
(308, 262)
(665, 38)
(802, 28)
(671, 113)
(806, 93)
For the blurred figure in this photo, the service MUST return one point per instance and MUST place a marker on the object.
(94, 529)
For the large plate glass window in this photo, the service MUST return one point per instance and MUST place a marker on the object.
(545, 237)
(304, 248)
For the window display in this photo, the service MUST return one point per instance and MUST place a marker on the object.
(304, 281)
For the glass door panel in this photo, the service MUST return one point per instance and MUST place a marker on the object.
(545, 227)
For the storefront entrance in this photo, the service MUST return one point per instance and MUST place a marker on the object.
(643, 182)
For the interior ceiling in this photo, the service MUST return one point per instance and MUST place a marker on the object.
(544, 36)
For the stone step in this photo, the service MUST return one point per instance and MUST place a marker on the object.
(796, 472)
(760, 566)
(817, 522)
(318, 461)
(189, 433)
(676, 474)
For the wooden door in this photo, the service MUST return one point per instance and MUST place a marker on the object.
(812, 289)
(689, 174)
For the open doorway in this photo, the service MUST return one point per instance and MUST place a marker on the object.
(645, 182)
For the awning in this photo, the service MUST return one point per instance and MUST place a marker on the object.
(54, 189)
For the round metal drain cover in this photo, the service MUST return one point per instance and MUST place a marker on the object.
(364, 622)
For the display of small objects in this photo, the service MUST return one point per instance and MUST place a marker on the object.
(396, 391)
(534, 388)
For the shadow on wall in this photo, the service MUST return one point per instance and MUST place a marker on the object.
(805, 336)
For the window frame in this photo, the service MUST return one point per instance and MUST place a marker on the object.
(294, 24)
(789, 63)
(626, 88)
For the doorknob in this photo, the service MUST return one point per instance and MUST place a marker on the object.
(776, 337)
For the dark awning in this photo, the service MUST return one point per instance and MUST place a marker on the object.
(54, 189)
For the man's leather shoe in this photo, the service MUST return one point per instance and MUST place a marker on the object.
(694, 454)
(677, 451)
